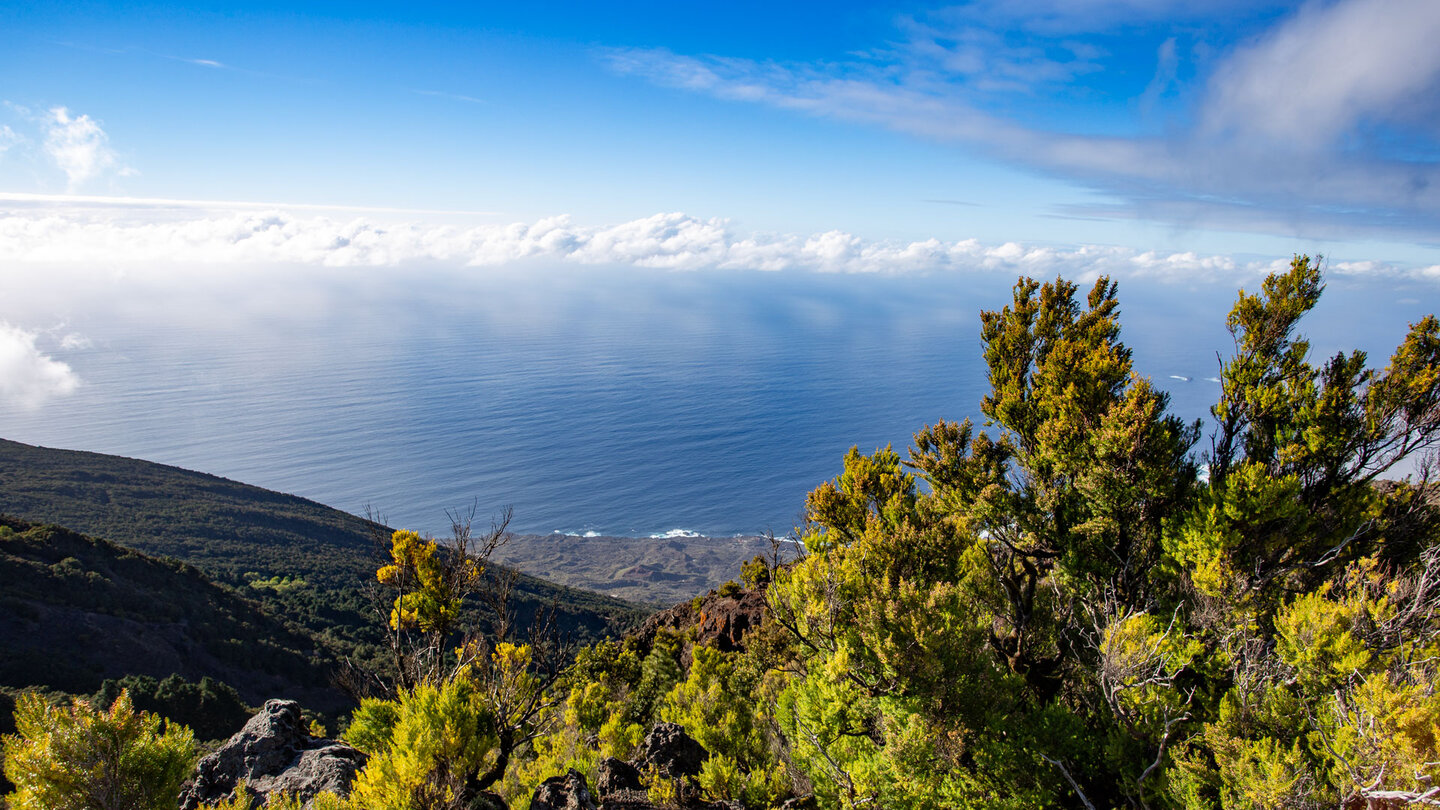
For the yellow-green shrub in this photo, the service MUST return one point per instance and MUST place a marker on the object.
(80, 758)
(422, 746)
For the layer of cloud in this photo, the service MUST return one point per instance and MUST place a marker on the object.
(672, 241)
(79, 147)
(1292, 133)
(28, 377)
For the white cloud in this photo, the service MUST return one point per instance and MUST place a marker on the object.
(29, 377)
(452, 96)
(994, 61)
(112, 240)
(1329, 70)
(854, 92)
(1167, 63)
(8, 139)
(79, 147)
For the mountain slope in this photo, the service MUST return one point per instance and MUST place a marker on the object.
(75, 610)
(248, 537)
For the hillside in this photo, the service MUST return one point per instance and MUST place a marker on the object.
(250, 538)
(76, 610)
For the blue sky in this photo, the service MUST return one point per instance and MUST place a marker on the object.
(1248, 129)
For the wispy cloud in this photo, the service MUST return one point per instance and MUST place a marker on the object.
(989, 60)
(79, 147)
(1298, 128)
(28, 377)
(1167, 65)
(75, 341)
(1073, 17)
(74, 202)
(451, 96)
(674, 241)
(212, 64)
(8, 139)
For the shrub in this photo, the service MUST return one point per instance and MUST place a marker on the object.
(79, 758)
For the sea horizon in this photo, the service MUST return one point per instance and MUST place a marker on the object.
(627, 404)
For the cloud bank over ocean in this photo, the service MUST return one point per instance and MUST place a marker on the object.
(175, 235)
(30, 377)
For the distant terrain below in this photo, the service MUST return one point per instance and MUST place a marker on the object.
(658, 571)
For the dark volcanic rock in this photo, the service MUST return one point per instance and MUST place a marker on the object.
(617, 779)
(568, 792)
(274, 753)
(488, 800)
(673, 752)
(723, 621)
(676, 618)
(719, 621)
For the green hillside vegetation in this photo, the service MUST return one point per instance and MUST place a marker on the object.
(300, 559)
(76, 611)
(1053, 609)
(224, 527)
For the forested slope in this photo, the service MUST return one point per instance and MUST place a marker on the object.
(302, 559)
(77, 610)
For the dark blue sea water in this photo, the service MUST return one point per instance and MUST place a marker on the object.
(612, 401)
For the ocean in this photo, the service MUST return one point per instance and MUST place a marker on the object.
(607, 401)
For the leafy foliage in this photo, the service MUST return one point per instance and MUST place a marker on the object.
(1068, 612)
(717, 703)
(1297, 448)
(79, 758)
(244, 799)
(430, 592)
(425, 747)
(212, 709)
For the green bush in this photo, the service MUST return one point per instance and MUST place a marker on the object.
(424, 747)
(79, 758)
(211, 708)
